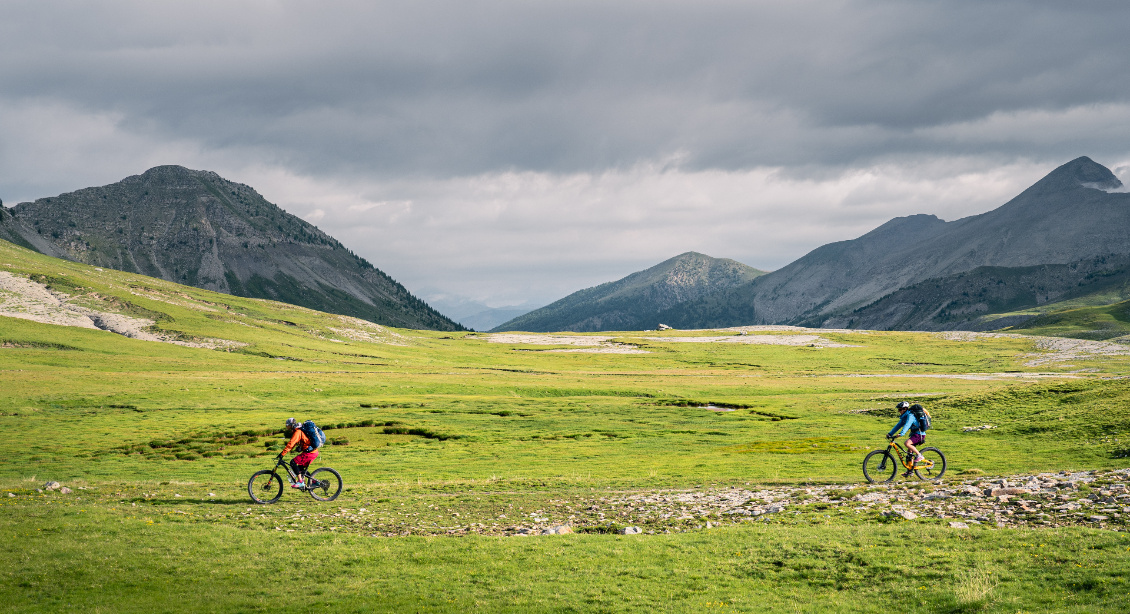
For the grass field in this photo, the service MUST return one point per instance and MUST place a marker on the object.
(440, 433)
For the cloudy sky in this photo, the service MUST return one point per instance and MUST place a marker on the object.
(519, 151)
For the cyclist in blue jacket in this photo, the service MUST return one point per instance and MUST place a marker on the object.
(907, 422)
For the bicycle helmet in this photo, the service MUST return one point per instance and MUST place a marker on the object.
(291, 424)
(902, 406)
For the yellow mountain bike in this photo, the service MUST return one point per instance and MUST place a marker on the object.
(881, 465)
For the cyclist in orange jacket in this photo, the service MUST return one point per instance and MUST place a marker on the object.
(306, 452)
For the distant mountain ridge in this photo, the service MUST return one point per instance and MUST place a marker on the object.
(632, 303)
(197, 228)
(473, 314)
(1066, 218)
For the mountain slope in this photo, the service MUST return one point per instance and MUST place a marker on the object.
(972, 300)
(1066, 217)
(196, 228)
(632, 302)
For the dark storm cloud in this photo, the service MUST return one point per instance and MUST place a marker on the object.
(454, 88)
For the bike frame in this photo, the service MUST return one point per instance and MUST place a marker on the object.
(279, 462)
(904, 456)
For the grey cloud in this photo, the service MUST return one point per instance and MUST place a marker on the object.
(443, 89)
(521, 150)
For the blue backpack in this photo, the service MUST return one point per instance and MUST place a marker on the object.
(317, 437)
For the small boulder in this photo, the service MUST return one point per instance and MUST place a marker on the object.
(65, 490)
(663, 327)
(52, 486)
(908, 515)
(958, 525)
(11, 494)
(558, 530)
(631, 531)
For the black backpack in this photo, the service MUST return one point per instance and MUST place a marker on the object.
(922, 416)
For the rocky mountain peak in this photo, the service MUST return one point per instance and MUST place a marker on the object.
(1082, 172)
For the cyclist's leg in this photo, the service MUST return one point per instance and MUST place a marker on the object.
(302, 462)
(912, 441)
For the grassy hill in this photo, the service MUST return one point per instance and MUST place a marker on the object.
(450, 443)
(1101, 322)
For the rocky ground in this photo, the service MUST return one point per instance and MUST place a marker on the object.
(1097, 499)
(1089, 498)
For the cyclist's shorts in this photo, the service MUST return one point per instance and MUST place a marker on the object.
(917, 439)
(305, 458)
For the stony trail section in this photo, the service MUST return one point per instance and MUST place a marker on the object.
(1088, 498)
(1094, 499)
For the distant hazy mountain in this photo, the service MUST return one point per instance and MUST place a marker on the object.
(196, 228)
(474, 314)
(633, 302)
(1069, 217)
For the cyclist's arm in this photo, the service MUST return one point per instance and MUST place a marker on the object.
(902, 423)
(294, 440)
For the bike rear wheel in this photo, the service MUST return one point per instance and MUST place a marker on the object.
(879, 466)
(265, 487)
(324, 484)
(933, 467)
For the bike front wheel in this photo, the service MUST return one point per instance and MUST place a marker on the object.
(265, 487)
(933, 467)
(879, 466)
(324, 484)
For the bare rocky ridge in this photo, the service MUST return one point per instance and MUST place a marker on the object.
(196, 228)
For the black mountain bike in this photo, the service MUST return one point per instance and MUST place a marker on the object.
(323, 483)
(881, 465)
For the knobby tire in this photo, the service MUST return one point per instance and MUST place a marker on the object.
(325, 484)
(265, 487)
(880, 466)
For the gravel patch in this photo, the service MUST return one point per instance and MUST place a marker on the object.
(28, 300)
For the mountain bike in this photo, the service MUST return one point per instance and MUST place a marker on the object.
(323, 483)
(881, 465)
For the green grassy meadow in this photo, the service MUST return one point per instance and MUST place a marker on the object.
(435, 429)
